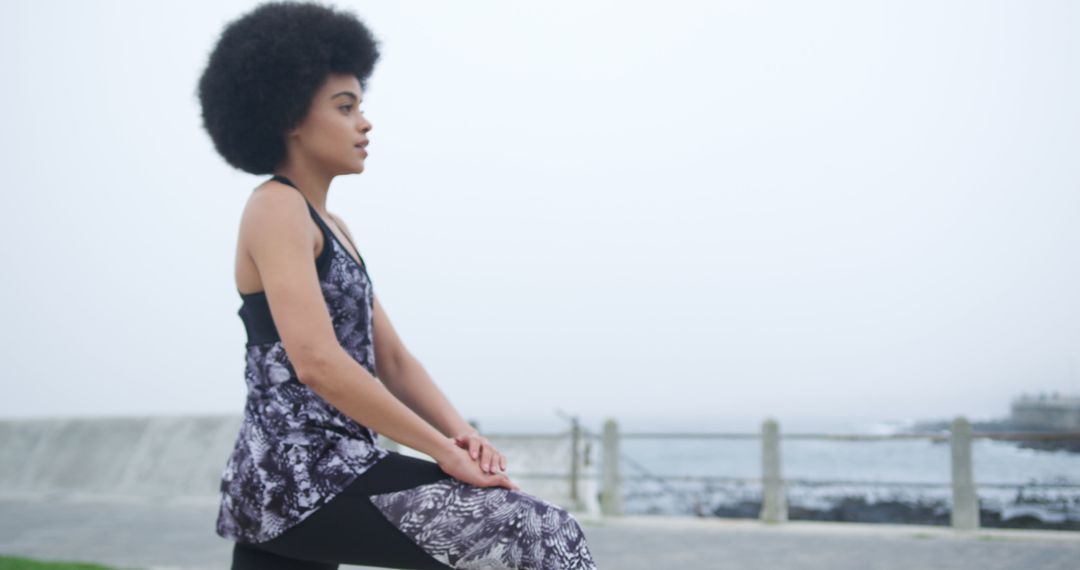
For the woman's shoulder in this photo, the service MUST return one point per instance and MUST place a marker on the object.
(274, 212)
(273, 202)
(274, 194)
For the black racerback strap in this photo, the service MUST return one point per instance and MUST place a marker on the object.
(318, 218)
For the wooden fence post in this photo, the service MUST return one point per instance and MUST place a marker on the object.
(965, 503)
(773, 499)
(611, 492)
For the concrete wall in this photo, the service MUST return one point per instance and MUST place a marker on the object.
(181, 458)
(156, 458)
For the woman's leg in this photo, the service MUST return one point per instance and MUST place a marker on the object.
(405, 512)
(487, 527)
(350, 530)
(249, 558)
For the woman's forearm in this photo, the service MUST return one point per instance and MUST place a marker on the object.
(410, 382)
(349, 387)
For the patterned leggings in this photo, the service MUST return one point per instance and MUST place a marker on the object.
(405, 512)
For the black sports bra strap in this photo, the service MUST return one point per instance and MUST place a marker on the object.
(283, 180)
(363, 264)
(311, 208)
(287, 182)
(320, 221)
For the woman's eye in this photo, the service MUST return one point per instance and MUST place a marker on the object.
(346, 108)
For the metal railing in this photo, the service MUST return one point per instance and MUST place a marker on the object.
(774, 509)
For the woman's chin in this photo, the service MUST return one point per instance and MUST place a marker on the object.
(354, 168)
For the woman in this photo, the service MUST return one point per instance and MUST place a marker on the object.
(307, 485)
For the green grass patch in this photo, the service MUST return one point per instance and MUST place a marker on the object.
(17, 563)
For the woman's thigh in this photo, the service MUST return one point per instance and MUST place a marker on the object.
(466, 526)
(405, 512)
(348, 529)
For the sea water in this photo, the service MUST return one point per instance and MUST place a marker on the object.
(1011, 481)
(822, 475)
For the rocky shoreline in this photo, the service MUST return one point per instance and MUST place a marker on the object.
(1004, 425)
(858, 509)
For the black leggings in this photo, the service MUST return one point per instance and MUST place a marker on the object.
(349, 529)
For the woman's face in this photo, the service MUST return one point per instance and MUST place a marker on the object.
(333, 135)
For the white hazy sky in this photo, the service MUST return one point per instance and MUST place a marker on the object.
(711, 210)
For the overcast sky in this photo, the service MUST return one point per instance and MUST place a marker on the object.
(712, 210)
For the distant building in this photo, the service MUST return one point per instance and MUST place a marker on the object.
(1047, 411)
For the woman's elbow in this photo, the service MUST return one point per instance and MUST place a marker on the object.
(314, 364)
(394, 366)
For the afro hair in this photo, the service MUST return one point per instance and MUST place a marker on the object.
(265, 69)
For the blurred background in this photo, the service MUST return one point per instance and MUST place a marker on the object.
(850, 217)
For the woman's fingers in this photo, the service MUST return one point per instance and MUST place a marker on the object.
(485, 458)
(501, 480)
(480, 450)
(496, 461)
(472, 472)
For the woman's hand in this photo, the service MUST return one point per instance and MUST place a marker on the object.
(481, 449)
(458, 464)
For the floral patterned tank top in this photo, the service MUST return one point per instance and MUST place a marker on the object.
(295, 451)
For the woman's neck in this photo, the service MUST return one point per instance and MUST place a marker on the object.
(313, 184)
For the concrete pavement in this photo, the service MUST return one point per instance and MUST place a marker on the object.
(137, 534)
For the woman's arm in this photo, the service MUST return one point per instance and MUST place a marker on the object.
(405, 377)
(277, 228)
(280, 240)
(409, 382)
